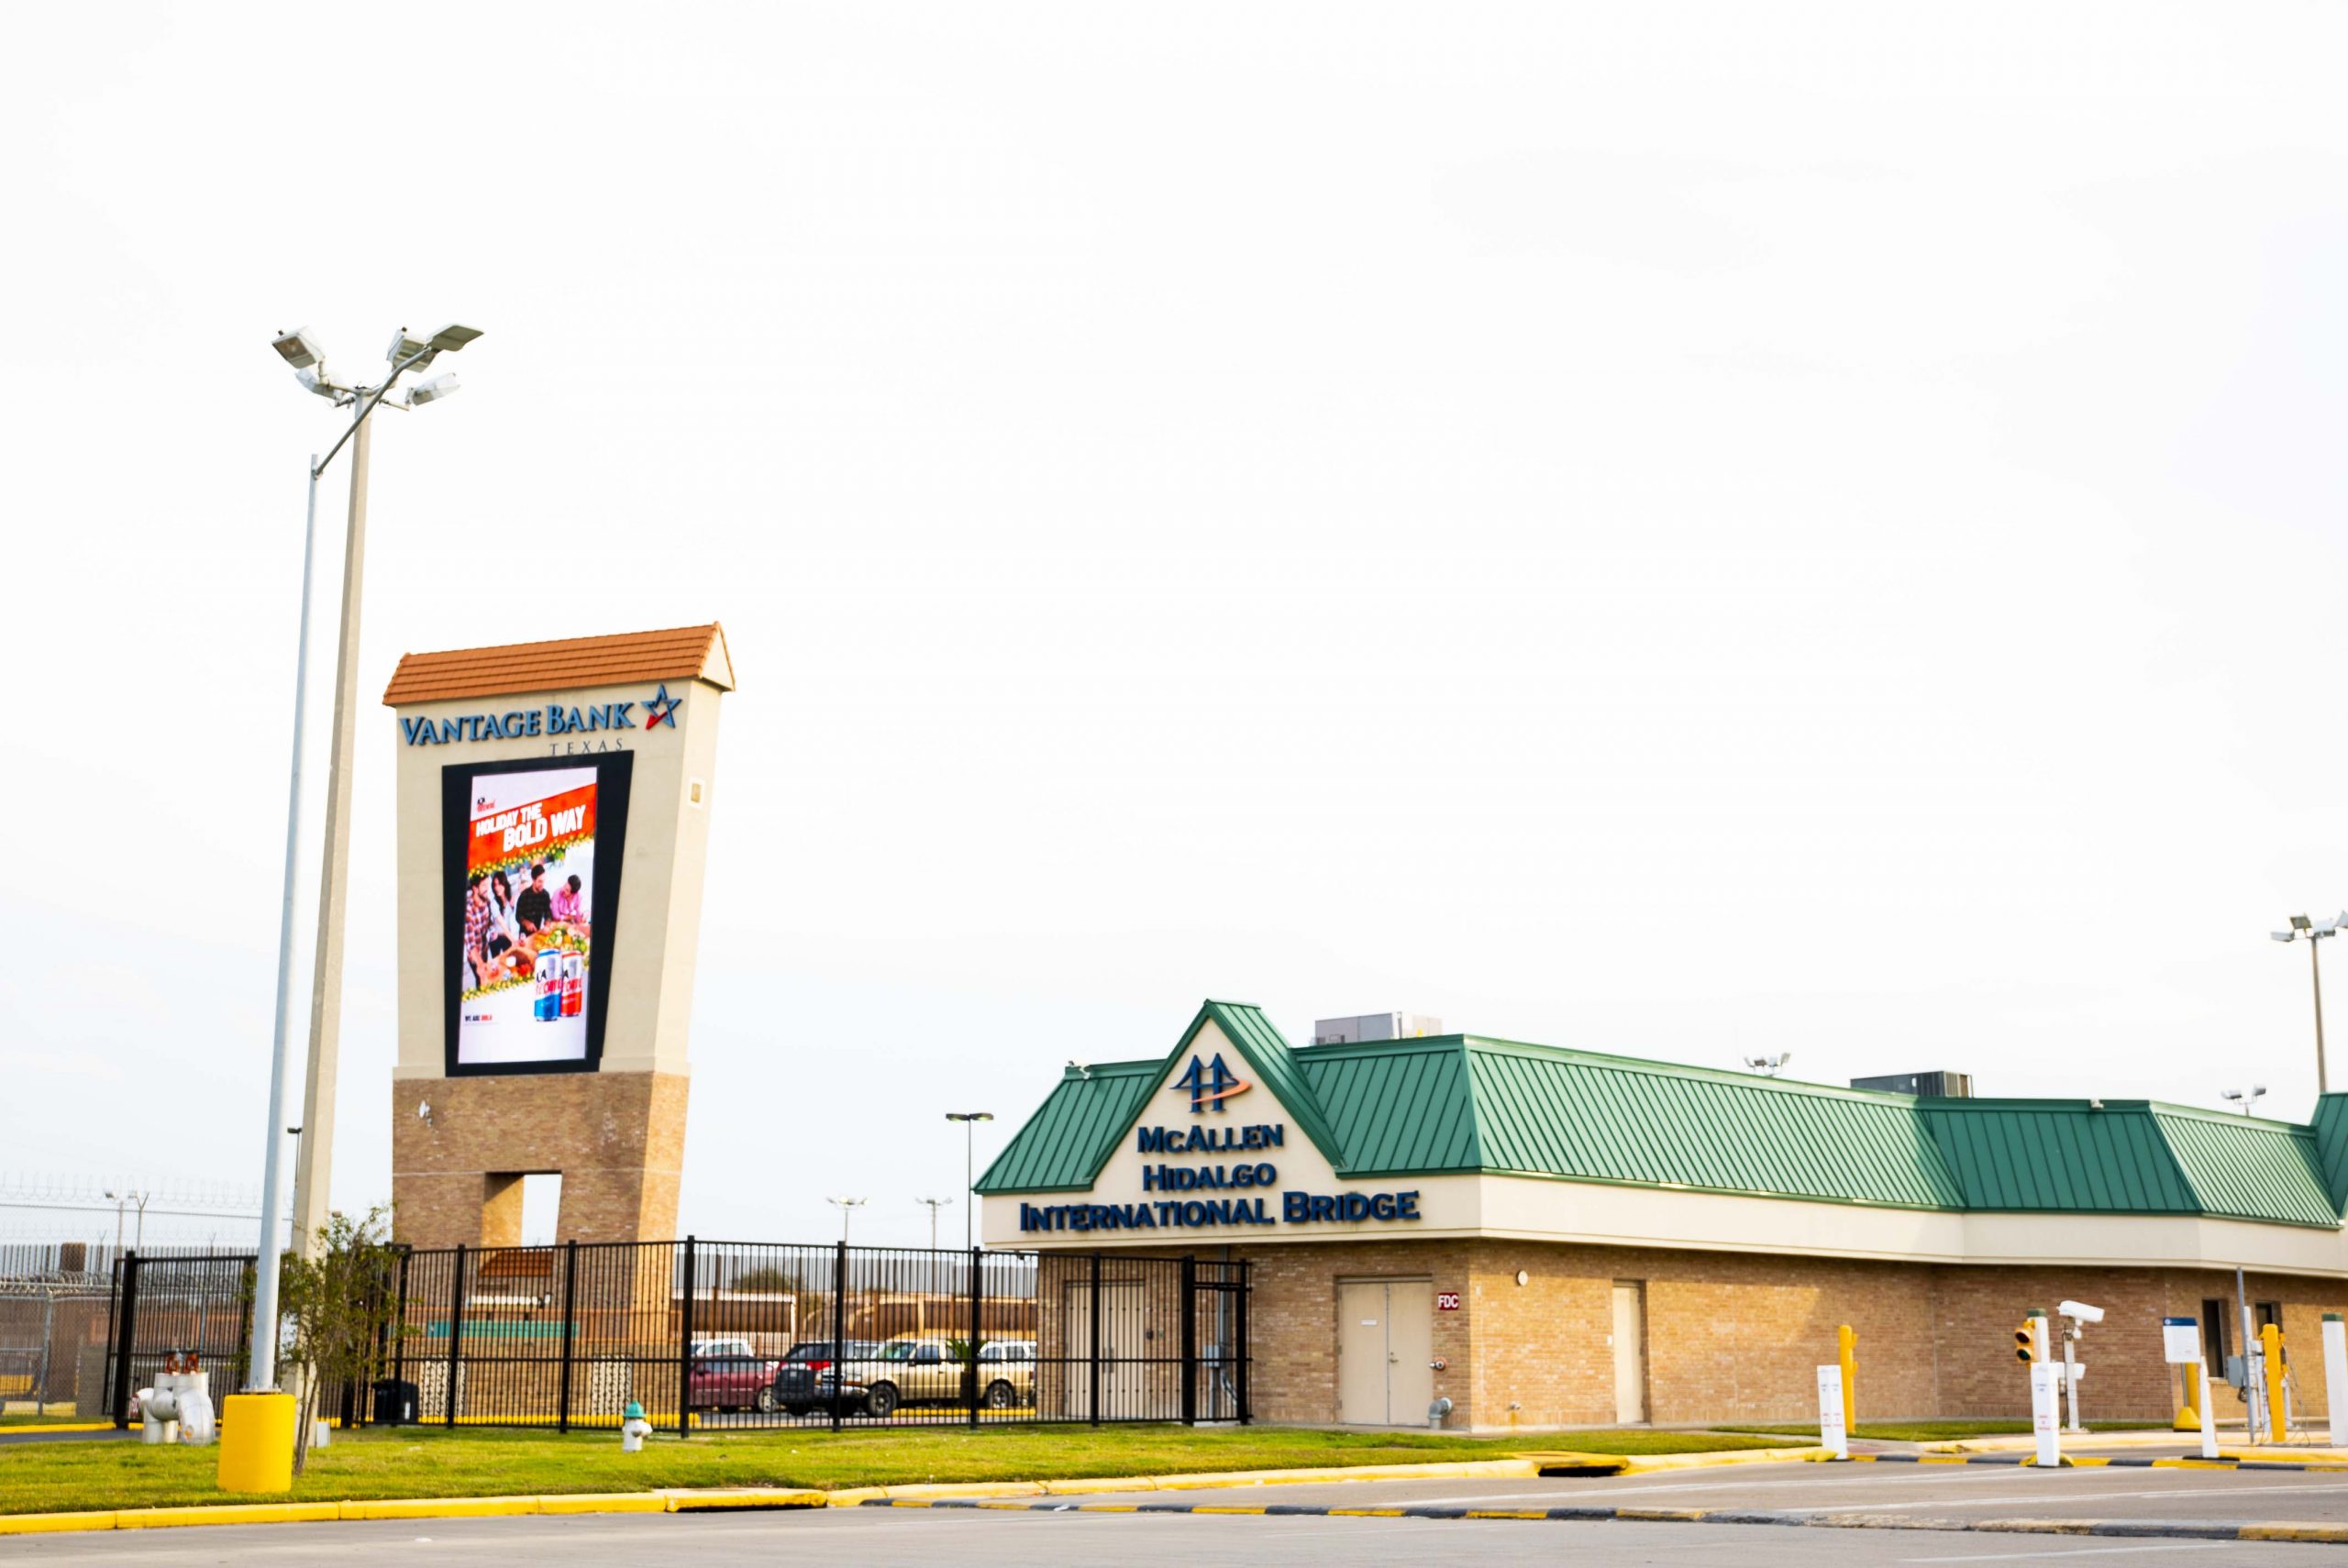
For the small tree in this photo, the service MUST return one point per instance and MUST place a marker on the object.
(967, 1352)
(338, 1306)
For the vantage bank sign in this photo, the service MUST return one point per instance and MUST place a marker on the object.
(1244, 1192)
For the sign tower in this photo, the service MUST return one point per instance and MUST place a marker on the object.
(553, 822)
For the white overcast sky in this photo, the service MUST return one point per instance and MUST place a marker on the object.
(1677, 530)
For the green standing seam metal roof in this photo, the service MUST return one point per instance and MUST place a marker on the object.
(1462, 1105)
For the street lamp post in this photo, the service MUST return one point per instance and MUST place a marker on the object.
(2305, 930)
(934, 1205)
(848, 1206)
(970, 1121)
(315, 1154)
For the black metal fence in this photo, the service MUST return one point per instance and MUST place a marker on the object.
(723, 1334)
(166, 1302)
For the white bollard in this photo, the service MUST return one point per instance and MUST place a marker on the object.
(1832, 1432)
(2045, 1415)
(2209, 1417)
(2335, 1375)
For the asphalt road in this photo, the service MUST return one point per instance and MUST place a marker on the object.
(879, 1538)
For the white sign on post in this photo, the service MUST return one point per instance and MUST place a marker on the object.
(2045, 1415)
(1832, 1432)
(2180, 1339)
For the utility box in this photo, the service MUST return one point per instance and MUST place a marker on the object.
(1374, 1026)
(1930, 1086)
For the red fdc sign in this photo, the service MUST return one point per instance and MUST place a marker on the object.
(1446, 1301)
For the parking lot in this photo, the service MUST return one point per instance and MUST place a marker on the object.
(1876, 1513)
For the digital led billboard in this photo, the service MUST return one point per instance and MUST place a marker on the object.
(531, 882)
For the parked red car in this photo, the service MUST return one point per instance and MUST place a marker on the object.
(732, 1383)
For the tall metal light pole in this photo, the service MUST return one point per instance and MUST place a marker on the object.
(314, 1154)
(934, 1205)
(970, 1121)
(848, 1206)
(2305, 930)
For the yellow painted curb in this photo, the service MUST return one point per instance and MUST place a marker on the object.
(604, 1503)
(779, 1497)
(964, 1489)
(44, 1524)
(59, 1426)
(1095, 1485)
(2334, 1533)
(437, 1507)
(1641, 1464)
(226, 1514)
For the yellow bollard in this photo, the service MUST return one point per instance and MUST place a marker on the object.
(2270, 1340)
(1844, 1342)
(257, 1442)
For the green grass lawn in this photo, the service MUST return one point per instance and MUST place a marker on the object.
(424, 1461)
(1938, 1431)
(24, 1418)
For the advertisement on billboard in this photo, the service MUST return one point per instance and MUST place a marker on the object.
(531, 887)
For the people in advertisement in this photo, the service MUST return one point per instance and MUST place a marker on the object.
(526, 956)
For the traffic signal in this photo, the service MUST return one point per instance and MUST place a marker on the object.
(2025, 1343)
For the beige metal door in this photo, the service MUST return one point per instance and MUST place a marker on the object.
(1124, 1375)
(1630, 1339)
(1384, 1335)
(1410, 1345)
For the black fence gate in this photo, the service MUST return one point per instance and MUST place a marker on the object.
(705, 1335)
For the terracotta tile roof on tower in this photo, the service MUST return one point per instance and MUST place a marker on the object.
(681, 653)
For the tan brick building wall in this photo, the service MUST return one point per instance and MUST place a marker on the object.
(618, 1140)
(1736, 1336)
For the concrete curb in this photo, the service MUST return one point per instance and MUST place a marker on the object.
(661, 1502)
(2023, 1442)
(2190, 1530)
(921, 1496)
(2091, 1462)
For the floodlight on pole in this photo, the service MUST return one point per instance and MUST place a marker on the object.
(2246, 1099)
(848, 1207)
(2309, 931)
(1767, 1066)
(313, 1153)
(970, 1121)
(301, 351)
(432, 391)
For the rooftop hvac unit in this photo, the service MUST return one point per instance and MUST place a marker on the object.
(1931, 1086)
(1374, 1026)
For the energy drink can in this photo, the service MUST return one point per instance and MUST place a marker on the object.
(547, 1004)
(574, 985)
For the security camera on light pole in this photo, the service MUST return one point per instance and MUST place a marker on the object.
(2080, 1314)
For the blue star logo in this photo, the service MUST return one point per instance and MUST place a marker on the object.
(663, 709)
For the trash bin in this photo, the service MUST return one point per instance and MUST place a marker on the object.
(395, 1402)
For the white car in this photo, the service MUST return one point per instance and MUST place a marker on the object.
(734, 1345)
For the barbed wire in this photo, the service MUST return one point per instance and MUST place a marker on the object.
(25, 1189)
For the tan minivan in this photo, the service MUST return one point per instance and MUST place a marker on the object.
(912, 1371)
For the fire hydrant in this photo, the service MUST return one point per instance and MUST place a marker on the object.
(633, 1429)
(178, 1407)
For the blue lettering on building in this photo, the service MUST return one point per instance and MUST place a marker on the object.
(554, 719)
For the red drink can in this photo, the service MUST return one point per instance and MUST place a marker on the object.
(574, 985)
(546, 1002)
